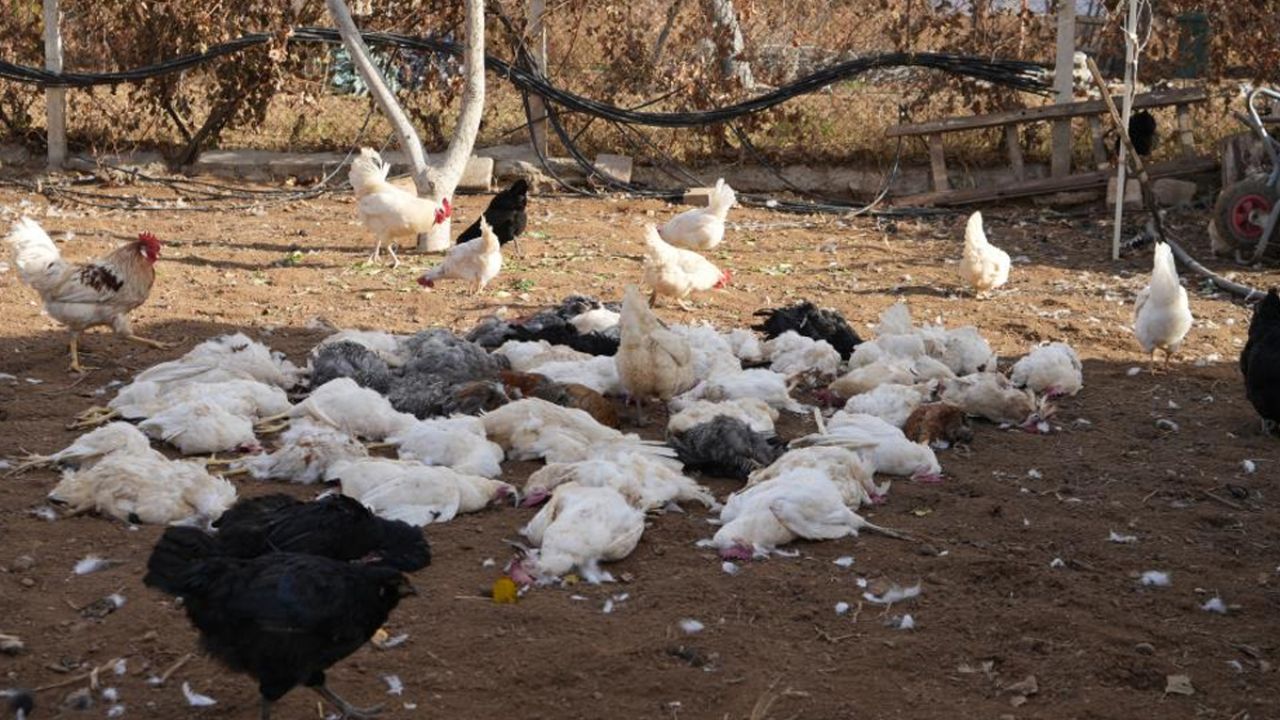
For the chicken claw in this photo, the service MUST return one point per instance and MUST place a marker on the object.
(346, 709)
(149, 342)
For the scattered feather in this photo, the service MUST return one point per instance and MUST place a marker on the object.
(1034, 474)
(1215, 605)
(1236, 665)
(91, 564)
(893, 595)
(1057, 563)
(1156, 578)
(110, 694)
(691, 626)
(608, 606)
(1116, 537)
(729, 568)
(115, 711)
(488, 562)
(1133, 371)
(195, 699)
(121, 666)
(906, 622)
(394, 686)
(844, 561)
(861, 582)
(842, 607)
(1248, 466)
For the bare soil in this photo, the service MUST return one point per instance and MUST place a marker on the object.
(996, 607)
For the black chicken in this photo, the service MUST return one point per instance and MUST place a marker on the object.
(281, 618)
(554, 325)
(1142, 133)
(1260, 362)
(505, 214)
(726, 447)
(335, 526)
(812, 322)
(353, 360)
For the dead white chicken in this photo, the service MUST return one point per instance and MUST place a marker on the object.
(846, 469)
(579, 528)
(458, 443)
(884, 445)
(793, 354)
(644, 481)
(760, 383)
(891, 403)
(992, 397)
(116, 437)
(200, 427)
(415, 493)
(1052, 369)
(303, 454)
(756, 413)
(145, 488)
(345, 406)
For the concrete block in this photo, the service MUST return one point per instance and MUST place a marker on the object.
(698, 197)
(1067, 199)
(478, 175)
(1132, 193)
(1172, 192)
(616, 166)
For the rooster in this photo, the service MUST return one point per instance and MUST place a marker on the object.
(675, 272)
(477, 261)
(506, 214)
(701, 228)
(1260, 361)
(1161, 314)
(388, 212)
(81, 296)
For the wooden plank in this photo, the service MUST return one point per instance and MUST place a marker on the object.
(938, 162)
(1063, 87)
(1100, 157)
(1186, 138)
(1014, 144)
(55, 98)
(1082, 108)
(537, 107)
(1077, 181)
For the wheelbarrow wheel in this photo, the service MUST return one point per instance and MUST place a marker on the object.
(1241, 214)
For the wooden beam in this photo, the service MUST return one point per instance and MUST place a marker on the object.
(1014, 144)
(938, 163)
(1100, 157)
(1046, 186)
(538, 44)
(1082, 108)
(1186, 138)
(55, 98)
(1063, 66)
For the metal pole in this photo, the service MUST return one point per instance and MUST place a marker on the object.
(55, 98)
(1130, 78)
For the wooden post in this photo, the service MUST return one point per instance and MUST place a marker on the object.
(538, 48)
(1130, 78)
(938, 163)
(1062, 87)
(1014, 145)
(55, 98)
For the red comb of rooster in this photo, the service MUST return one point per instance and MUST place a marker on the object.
(148, 238)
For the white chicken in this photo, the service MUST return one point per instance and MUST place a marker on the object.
(240, 396)
(532, 428)
(235, 353)
(800, 503)
(761, 383)
(992, 397)
(644, 481)
(351, 409)
(458, 443)
(652, 361)
(756, 413)
(415, 493)
(199, 427)
(968, 352)
(526, 356)
(676, 272)
(746, 345)
(883, 445)
(1052, 369)
(983, 266)
(1161, 314)
(712, 354)
(847, 470)
(303, 454)
(385, 345)
(90, 448)
(793, 355)
(891, 403)
(388, 212)
(580, 528)
(595, 320)
(145, 488)
(865, 378)
(701, 228)
(477, 261)
(598, 372)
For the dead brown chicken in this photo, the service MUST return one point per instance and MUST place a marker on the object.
(934, 422)
(571, 395)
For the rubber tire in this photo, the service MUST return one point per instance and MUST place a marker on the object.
(1226, 222)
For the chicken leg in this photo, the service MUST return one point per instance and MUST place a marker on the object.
(395, 261)
(346, 709)
(75, 366)
(377, 251)
(149, 342)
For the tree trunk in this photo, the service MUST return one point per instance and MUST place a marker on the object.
(440, 181)
(729, 43)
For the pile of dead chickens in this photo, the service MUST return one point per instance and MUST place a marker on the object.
(558, 386)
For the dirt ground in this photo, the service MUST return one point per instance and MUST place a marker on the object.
(996, 608)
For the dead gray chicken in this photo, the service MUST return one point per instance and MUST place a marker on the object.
(726, 447)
